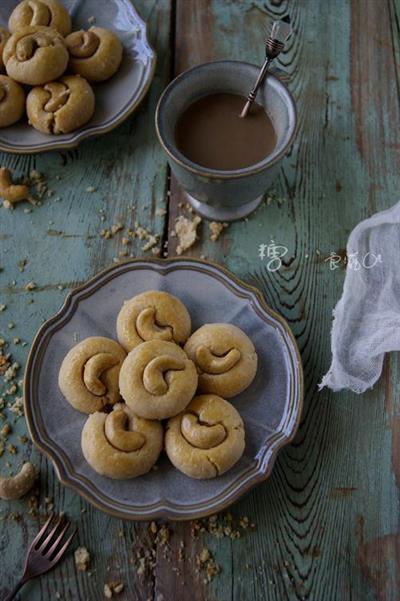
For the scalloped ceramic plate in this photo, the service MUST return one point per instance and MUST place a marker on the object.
(116, 98)
(270, 407)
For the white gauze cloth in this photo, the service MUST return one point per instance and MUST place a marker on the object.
(367, 318)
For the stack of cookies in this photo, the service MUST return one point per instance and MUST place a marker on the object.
(173, 384)
(39, 50)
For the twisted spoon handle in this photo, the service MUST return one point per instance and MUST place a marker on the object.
(252, 95)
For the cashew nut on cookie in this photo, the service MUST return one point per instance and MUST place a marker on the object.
(62, 106)
(153, 315)
(121, 445)
(157, 380)
(49, 13)
(206, 439)
(225, 358)
(89, 373)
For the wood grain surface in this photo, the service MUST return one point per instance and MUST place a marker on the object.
(327, 521)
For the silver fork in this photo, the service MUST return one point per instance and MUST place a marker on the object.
(46, 550)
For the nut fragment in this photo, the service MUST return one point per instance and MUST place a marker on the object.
(82, 558)
(12, 192)
(17, 486)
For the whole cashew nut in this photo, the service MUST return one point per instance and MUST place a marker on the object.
(118, 436)
(153, 375)
(93, 369)
(213, 364)
(41, 14)
(12, 192)
(59, 94)
(25, 49)
(17, 486)
(202, 436)
(148, 329)
(82, 44)
(27, 46)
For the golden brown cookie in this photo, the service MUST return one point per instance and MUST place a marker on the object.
(157, 380)
(35, 55)
(206, 439)
(89, 374)
(4, 35)
(95, 54)
(225, 358)
(48, 13)
(121, 445)
(153, 315)
(12, 101)
(62, 106)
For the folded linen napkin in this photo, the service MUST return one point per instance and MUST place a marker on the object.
(367, 318)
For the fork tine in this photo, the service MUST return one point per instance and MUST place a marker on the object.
(57, 541)
(45, 543)
(63, 548)
(42, 530)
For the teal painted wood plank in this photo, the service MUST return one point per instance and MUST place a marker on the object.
(61, 244)
(327, 520)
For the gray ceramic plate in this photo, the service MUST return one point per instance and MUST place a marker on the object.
(270, 407)
(116, 98)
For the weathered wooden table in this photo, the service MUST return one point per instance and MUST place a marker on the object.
(327, 521)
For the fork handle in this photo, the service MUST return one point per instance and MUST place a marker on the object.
(15, 590)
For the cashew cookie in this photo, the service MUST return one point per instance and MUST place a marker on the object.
(89, 374)
(48, 13)
(153, 315)
(157, 380)
(62, 106)
(95, 54)
(35, 55)
(12, 101)
(225, 358)
(4, 35)
(121, 445)
(206, 439)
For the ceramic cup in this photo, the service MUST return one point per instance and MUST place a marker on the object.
(216, 194)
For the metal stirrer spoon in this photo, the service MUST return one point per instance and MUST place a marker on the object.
(275, 43)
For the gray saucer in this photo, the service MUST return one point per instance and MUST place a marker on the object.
(270, 406)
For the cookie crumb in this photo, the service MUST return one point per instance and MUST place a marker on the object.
(216, 228)
(186, 230)
(113, 587)
(82, 559)
(207, 564)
